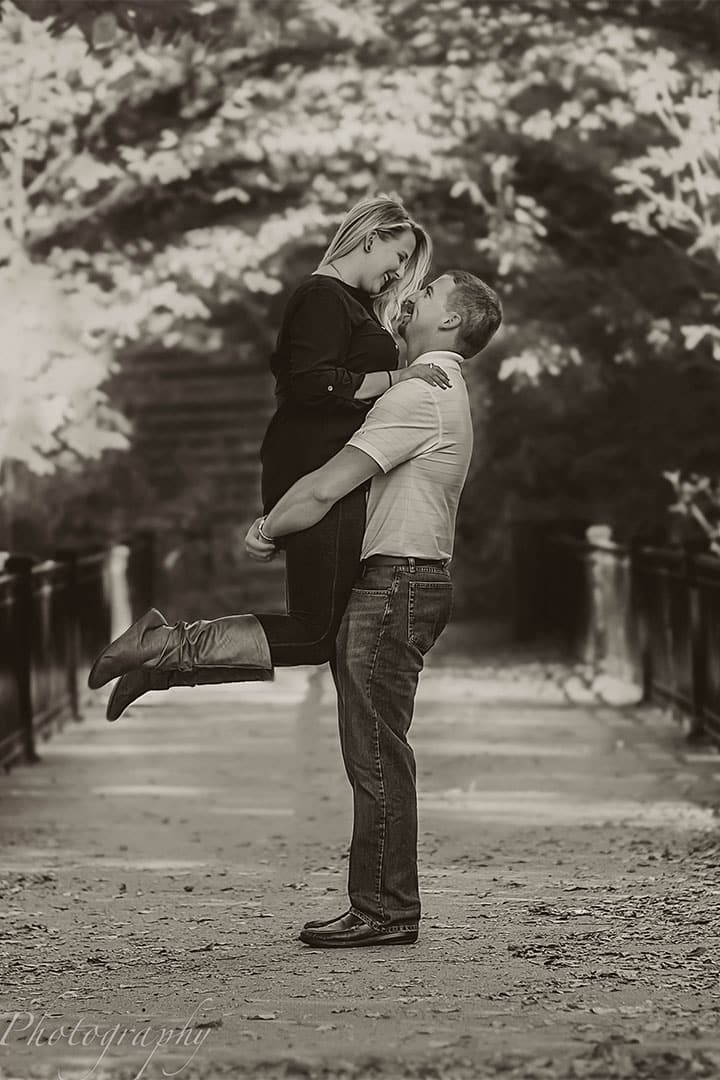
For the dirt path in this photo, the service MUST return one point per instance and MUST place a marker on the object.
(155, 874)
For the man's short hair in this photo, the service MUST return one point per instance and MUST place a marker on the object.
(479, 308)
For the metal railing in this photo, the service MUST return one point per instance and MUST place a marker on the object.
(55, 616)
(648, 615)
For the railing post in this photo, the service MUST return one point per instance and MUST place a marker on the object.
(697, 648)
(639, 617)
(599, 537)
(20, 566)
(93, 610)
(116, 568)
(72, 655)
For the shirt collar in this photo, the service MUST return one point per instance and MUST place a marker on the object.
(439, 356)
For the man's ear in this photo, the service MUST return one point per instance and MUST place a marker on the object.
(451, 321)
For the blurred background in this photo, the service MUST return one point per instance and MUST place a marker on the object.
(170, 171)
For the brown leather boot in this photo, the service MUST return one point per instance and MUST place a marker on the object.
(233, 641)
(136, 683)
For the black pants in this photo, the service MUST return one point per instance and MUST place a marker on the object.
(321, 566)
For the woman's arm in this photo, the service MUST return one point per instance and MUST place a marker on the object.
(377, 383)
(318, 340)
(374, 384)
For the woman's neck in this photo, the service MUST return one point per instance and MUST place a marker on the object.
(341, 268)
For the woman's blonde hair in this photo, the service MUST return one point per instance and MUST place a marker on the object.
(385, 216)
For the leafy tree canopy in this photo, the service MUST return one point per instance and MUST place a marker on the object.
(101, 21)
(567, 150)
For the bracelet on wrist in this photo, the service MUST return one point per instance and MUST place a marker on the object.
(262, 534)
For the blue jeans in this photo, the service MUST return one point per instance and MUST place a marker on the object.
(394, 616)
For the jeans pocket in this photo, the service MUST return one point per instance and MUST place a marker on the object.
(429, 610)
(375, 582)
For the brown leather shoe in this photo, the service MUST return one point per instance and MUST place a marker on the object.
(349, 931)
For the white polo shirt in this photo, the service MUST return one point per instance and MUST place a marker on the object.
(421, 437)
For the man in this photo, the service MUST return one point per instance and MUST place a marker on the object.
(415, 444)
(415, 448)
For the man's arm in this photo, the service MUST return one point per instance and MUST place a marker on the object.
(403, 423)
(312, 496)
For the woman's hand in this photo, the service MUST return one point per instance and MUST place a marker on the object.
(256, 547)
(429, 373)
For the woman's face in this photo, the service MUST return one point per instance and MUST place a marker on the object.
(386, 259)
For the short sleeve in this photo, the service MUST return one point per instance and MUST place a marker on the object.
(404, 423)
(317, 341)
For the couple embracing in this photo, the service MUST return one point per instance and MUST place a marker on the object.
(363, 464)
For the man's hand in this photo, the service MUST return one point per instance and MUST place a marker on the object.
(256, 547)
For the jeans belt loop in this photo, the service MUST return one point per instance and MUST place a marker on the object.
(411, 564)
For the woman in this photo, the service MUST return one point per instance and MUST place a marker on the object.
(335, 355)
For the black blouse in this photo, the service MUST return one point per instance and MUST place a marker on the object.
(329, 340)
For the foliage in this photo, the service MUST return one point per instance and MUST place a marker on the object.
(696, 509)
(100, 21)
(565, 149)
(54, 412)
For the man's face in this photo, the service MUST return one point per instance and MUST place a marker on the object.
(426, 309)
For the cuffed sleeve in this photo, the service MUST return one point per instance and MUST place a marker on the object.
(404, 423)
(318, 337)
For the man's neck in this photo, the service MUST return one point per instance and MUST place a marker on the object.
(416, 351)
